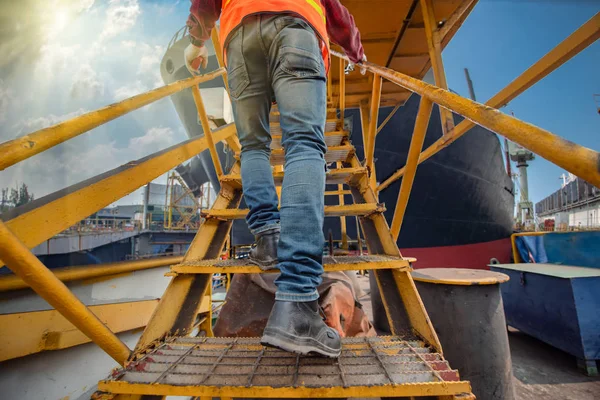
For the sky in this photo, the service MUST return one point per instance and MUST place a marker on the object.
(61, 58)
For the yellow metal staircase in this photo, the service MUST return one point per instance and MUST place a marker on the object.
(409, 363)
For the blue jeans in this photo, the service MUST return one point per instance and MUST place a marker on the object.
(278, 58)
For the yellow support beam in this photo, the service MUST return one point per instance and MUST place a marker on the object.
(29, 145)
(389, 117)
(373, 117)
(373, 264)
(337, 192)
(52, 214)
(364, 124)
(578, 160)
(434, 44)
(343, 218)
(330, 211)
(207, 131)
(329, 87)
(78, 272)
(178, 308)
(458, 16)
(27, 266)
(412, 161)
(587, 34)
(217, 46)
(301, 392)
(32, 332)
(342, 91)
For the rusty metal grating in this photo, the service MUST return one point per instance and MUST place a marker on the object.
(330, 126)
(336, 153)
(332, 138)
(337, 263)
(326, 260)
(243, 362)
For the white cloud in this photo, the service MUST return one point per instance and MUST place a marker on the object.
(33, 124)
(150, 60)
(6, 98)
(130, 90)
(86, 84)
(155, 139)
(80, 158)
(55, 59)
(149, 67)
(121, 16)
(84, 5)
(129, 44)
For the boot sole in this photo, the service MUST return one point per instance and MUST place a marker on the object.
(262, 265)
(298, 345)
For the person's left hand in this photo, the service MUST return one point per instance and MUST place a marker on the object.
(195, 57)
(350, 67)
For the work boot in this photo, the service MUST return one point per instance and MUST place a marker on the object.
(298, 327)
(264, 251)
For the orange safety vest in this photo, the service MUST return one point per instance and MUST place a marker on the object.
(312, 11)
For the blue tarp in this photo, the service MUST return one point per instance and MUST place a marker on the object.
(574, 248)
(580, 249)
(531, 249)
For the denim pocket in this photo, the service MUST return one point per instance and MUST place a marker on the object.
(238, 81)
(237, 73)
(301, 63)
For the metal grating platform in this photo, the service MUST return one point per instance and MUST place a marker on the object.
(334, 153)
(330, 211)
(330, 126)
(333, 138)
(338, 263)
(241, 367)
(332, 177)
(275, 115)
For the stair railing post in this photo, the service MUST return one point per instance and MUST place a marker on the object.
(207, 131)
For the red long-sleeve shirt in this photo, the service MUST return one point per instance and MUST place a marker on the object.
(340, 25)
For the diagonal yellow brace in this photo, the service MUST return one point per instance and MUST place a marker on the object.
(27, 267)
(587, 34)
(29, 145)
(579, 160)
(416, 144)
(435, 55)
(52, 214)
(207, 131)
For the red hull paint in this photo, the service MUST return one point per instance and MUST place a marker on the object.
(475, 256)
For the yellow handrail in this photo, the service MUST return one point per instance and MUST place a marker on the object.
(29, 145)
(576, 159)
(53, 213)
(77, 272)
(56, 212)
(587, 34)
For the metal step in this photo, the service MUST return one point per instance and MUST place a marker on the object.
(330, 126)
(274, 116)
(330, 108)
(334, 153)
(330, 211)
(388, 366)
(333, 138)
(338, 263)
(333, 176)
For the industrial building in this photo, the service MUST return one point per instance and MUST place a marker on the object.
(575, 206)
